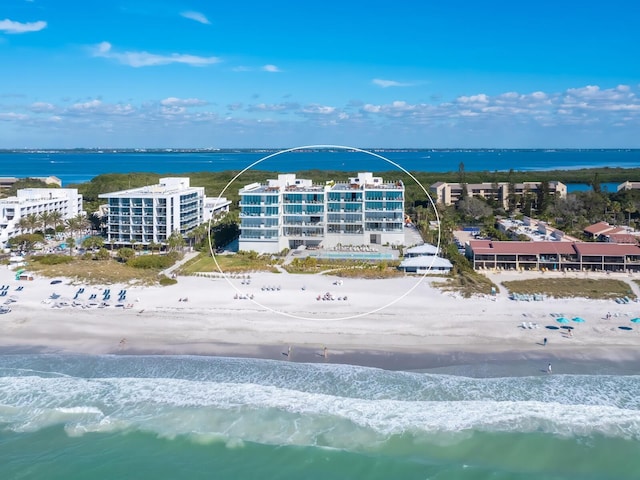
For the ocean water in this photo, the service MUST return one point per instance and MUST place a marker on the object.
(77, 167)
(166, 417)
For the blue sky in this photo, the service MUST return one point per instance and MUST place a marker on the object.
(433, 74)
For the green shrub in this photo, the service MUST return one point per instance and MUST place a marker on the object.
(103, 254)
(52, 259)
(166, 281)
(155, 262)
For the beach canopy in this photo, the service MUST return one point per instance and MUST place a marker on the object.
(635, 320)
(578, 319)
(562, 320)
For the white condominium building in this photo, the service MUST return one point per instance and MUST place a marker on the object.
(36, 201)
(151, 214)
(288, 212)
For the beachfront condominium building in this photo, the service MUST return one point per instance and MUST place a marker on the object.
(151, 214)
(449, 193)
(36, 201)
(288, 212)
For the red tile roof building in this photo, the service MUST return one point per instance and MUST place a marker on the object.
(554, 255)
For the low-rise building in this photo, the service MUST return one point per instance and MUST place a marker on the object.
(215, 207)
(424, 259)
(36, 201)
(574, 256)
(449, 193)
(151, 214)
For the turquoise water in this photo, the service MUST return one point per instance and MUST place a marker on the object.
(355, 255)
(78, 417)
(76, 167)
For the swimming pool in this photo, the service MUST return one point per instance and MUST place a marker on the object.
(355, 256)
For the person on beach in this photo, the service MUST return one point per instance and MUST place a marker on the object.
(549, 369)
(544, 342)
(325, 352)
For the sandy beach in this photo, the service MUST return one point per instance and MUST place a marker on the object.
(393, 323)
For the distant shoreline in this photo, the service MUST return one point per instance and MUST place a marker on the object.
(108, 151)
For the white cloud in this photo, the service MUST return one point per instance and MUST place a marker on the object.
(9, 26)
(84, 106)
(389, 83)
(270, 68)
(196, 16)
(183, 102)
(41, 107)
(319, 109)
(10, 116)
(276, 107)
(480, 98)
(146, 59)
(588, 110)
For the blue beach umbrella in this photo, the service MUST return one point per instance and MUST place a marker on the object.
(578, 319)
(635, 320)
(562, 320)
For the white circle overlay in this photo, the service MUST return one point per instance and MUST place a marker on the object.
(329, 147)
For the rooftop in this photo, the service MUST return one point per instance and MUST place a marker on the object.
(484, 247)
(166, 186)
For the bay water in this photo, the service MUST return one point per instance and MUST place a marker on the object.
(77, 167)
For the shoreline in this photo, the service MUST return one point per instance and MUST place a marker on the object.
(442, 359)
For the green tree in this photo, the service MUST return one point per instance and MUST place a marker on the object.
(595, 183)
(175, 242)
(154, 246)
(92, 243)
(474, 208)
(71, 243)
(462, 177)
(512, 198)
(77, 224)
(543, 198)
(102, 254)
(56, 219)
(30, 222)
(26, 241)
(45, 220)
(125, 254)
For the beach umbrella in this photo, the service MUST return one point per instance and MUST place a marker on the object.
(578, 319)
(635, 320)
(562, 320)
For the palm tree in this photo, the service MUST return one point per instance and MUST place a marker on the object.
(55, 219)
(77, 224)
(154, 246)
(22, 224)
(71, 243)
(175, 241)
(45, 220)
(32, 222)
(196, 235)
